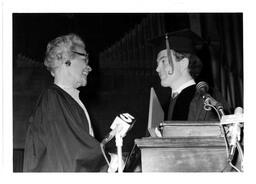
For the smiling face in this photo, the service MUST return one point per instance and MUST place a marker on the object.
(79, 68)
(164, 69)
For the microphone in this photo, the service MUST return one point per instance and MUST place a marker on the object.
(235, 132)
(121, 125)
(202, 88)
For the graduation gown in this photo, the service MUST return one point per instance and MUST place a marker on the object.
(189, 105)
(58, 137)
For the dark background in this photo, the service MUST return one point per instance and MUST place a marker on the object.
(113, 87)
(32, 32)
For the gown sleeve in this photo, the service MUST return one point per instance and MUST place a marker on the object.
(58, 138)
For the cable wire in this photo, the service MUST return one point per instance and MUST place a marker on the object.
(241, 154)
(104, 154)
(207, 105)
(230, 163)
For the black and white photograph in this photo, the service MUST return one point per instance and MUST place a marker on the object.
(125, 92)
(78, 76)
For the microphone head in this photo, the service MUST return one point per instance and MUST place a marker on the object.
(202, 87)
(238, 110)
(123, 123)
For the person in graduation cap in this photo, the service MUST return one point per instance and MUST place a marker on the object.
(60, 136)
(178, 66)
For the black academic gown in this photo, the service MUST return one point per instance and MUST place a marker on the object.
(58, 137)
(189, 105)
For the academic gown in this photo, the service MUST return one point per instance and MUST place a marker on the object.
(189, 105)
(58, 137)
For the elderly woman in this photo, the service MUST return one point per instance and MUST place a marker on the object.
(60, 136)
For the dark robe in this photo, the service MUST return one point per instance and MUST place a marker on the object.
(189, 105)
(58, 137)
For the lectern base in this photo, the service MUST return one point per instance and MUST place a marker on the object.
(207, 154)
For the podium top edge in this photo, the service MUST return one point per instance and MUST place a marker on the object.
(180, 142)
(190, 123)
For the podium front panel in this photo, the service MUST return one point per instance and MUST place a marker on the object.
(182, 154)
(183, 160)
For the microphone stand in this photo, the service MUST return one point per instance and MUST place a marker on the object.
(210, 103)
(119, 144)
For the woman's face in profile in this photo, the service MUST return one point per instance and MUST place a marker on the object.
(79, 68)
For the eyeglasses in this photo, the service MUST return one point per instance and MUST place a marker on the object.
(86, 55)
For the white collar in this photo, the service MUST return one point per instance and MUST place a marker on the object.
(183, 86)
(70, 90)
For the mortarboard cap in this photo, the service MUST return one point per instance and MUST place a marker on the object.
(181, 41)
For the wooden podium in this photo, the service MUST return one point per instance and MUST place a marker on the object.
(184, 147)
